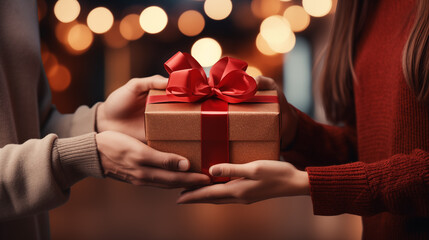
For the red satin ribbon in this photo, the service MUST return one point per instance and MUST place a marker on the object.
(227, 83)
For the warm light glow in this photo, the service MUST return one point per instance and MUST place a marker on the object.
(253, 71)
(263, 47)
(100, 20)
(130, 27)
(283, 47)
(217, 9)
(113, 37)
(191, 23)
(59, 78)
(317, 8)
(153, 19)
(62, 31)
(49, 60)
(276, 31)
(80, 38)
(66, 10)
(206, 51)
(265, 8)
(297, 17)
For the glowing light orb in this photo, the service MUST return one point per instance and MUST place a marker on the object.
(153, 19)
(206, 51)
(191, 23)
(317, 8)
(66, 10)
(297, 17)
(218, 9)
(100, 20)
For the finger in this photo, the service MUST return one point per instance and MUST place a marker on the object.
(209, 193)
(155, 177)
(232, 170)
(266, 83)
(169, 161)
(214, 201)
(142, 85)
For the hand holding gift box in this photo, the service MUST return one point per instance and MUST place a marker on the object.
(213, 120)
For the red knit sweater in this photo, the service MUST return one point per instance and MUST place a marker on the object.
(378, 169)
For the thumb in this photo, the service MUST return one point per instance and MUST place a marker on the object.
(145, 84)
(231, 170)
(266, 83)
(168, 161)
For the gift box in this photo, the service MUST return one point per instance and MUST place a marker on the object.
(199, 124)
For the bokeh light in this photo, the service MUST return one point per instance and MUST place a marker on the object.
(253, 71)
(218, 9)
(206, 51)
(100, 20)
(66, 10)
(276, 31)
(130, 27)
(317, 8)
(297, 17)
(191, 23)
(59, 78)
(62, 31)
(285, 46)
(153, 19)
(113, 37)
(263, 46)
(79, 38)
(265, 8)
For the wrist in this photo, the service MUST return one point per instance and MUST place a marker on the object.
(304, 183)
(100, 119)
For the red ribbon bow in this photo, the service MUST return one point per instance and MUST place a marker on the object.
(227, 81)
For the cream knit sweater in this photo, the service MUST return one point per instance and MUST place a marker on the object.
(42, 153)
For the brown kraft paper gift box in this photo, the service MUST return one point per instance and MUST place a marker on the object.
(253, 130)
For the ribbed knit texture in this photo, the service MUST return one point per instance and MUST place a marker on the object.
(79, 158)
(388, 184)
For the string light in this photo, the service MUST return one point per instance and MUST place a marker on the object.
(297, 17)
(276, 31)
(130, 27)
(113, 37)
(265, 8)
(317, 8)
(100, 20)
(191, 23)
(263, 47)
(153, 19)
(59, 78)
(79, 38)
(66, 10)
(253, 71)
(206, 51)
(218, 9)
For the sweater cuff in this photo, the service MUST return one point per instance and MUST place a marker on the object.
(339, 189)
(78, 158)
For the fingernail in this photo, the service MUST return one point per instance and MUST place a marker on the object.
(183, 165)
(215, 171)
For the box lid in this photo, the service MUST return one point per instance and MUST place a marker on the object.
(182, 121)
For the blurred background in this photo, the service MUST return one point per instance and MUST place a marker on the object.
(90, 48)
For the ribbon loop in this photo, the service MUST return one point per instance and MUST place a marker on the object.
(228, 80)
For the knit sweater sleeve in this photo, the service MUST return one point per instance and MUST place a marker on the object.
(399, 185)
(317, 144)
(35, 176)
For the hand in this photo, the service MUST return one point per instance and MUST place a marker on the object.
(257, 181)
(127, 159)
(123, 111)
(289, 118)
